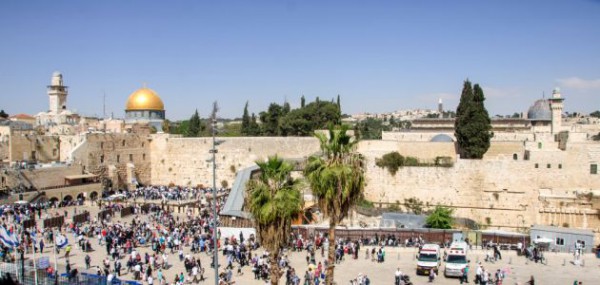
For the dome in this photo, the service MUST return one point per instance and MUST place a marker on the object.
(441, 138)
(144, 99)
(540, 111)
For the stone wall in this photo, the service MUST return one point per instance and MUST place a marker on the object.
(183, 161)
(502, 191)
(100, 151)
(26, 146)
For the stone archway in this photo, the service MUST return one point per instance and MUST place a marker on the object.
(81, 196)
(94, 196)
(68, 198)
(53, 200)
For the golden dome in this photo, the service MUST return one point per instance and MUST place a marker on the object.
(144, 99)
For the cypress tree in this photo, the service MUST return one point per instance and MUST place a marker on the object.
(302, 101)
(473, 128)
(245, 121)
(195, 127)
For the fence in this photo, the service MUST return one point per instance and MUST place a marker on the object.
(29, 223)
(81, 218)
(126, 211)
(27, 277)
(55, 222)
(103, 214)
(476, 238)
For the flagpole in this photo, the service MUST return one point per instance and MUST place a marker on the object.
(54, 251)
(34, 263)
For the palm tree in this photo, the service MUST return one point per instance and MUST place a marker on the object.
(274, 200)
(337, 181)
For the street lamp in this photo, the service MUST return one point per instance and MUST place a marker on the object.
(214, 161)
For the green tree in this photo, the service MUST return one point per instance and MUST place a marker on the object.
(371, 128)
(194, 126)
(440, 218)
(473, 128)
(337, 181)
(3, 114)
(245, 121)
(515, 115)
(302, 101)
(595, 114)
(254, 127)
(304, 121)
(274, 200)
(270, 119)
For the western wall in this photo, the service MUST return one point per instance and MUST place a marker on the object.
(516, 185)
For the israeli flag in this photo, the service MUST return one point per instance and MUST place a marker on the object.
(61, 241)
(8, 239)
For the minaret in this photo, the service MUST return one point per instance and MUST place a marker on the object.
(57, 93)
(440, 109)
(556, 106)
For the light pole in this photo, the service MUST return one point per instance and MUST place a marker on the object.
(214, 168)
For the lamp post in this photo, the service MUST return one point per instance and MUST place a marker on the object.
(214, 168)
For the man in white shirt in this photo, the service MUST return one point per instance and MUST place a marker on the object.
(398, 276)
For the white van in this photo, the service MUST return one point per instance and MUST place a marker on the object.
(456, 260)
(428, 259)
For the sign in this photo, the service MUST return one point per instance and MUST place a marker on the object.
(43, 262)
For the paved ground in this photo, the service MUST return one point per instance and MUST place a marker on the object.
(559, 270)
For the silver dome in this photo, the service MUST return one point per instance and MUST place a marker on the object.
(441, 138)
(540, 111)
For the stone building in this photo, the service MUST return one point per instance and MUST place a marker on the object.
(58, 119)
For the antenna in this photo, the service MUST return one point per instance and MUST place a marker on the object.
(104, 105)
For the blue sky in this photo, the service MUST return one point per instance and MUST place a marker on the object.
(379, 56)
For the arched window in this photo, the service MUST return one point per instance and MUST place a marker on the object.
(515, 156)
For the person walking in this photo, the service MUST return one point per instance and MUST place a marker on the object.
(465, 275)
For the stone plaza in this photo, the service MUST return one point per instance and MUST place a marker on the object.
(558, 269)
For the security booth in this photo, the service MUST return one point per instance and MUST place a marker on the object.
(560, 239)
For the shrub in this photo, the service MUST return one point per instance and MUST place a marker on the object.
(414, 205)
(391, 161)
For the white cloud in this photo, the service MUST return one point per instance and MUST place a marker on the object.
(579, 83)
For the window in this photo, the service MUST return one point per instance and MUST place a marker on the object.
(143, 156)
(593, 168)
(548, 165)
(130, 157)
(143, 144)
(102, 159)
(118, 158)
(54, 152)
(559, 166)
(537, 165)
(515, 156)
(560, 241)
(123, 143)
(539, 145)
(101, 145)
(581, 243)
